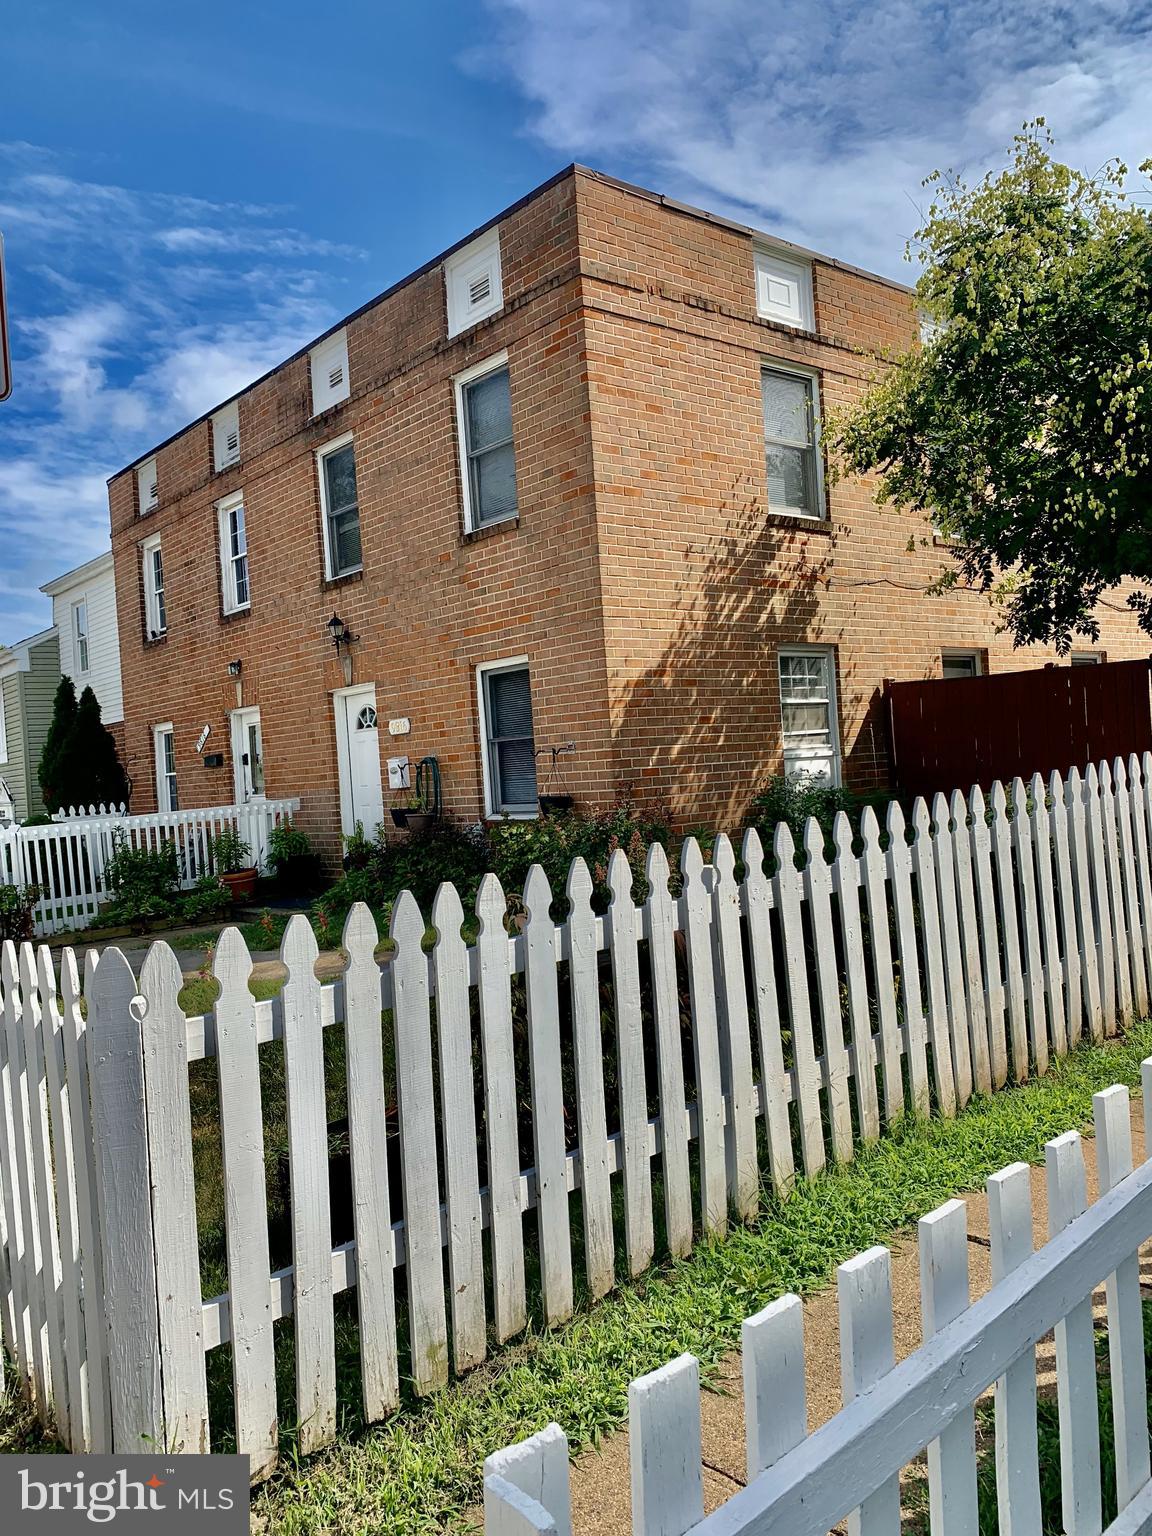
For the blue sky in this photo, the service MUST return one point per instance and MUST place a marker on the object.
(190, 193)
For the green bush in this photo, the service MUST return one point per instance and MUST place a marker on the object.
(796, 797)
(294, 861)
(208, 898)
(229, 852)
(144, 883)
(553, 842)
(17, 908)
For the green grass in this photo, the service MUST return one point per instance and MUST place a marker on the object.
(421, 1470)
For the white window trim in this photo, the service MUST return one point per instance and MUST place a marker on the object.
(480, 256)
(81, 603)
(151, 613)
(3, 728)
(147, 474)
(460, 382)
(158, 734)
(953, 652)
(227, 569)
(828, 651)
(321, 357)
(806, 319)
(321, 454)
(1087, 658)
(505, 664)
(775, 365)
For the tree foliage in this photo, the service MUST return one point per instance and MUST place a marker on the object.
(1023, 427)
(79, 764)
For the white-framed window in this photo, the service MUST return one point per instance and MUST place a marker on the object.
(328, 363)
(1087, 658)
(167, 795)
(80, 635)
(960, 664)
(147, 487)
(791, 400)
(505, 701)
(784, 289)
(226, 435)
(3, 729)
(473, 282)
(809, 722)
(155, 603)
(336, 466)
(487, 453)
(236, 592)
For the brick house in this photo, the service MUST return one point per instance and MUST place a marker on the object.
(564, 487)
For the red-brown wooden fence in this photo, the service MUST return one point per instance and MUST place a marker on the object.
(972, 730)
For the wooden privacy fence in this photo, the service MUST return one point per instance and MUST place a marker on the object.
(802, 1485)
(67, 859)
(974, 730)
(739, 1025)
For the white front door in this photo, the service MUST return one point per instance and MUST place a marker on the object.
(247, 755)
(358, 752)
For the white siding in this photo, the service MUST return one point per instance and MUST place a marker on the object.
(96, 584)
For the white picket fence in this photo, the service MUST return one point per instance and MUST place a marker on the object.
(66, 860)
(733, 1031)
(801, 1484)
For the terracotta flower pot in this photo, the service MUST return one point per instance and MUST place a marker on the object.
(241, 884)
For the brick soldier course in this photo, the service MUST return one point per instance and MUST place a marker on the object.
(646, 576)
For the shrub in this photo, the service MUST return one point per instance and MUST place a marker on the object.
(797, 796)
(295, 862)
(17, 909)
(207, 899)
(144, 883)
(229, 852)
(553, 843)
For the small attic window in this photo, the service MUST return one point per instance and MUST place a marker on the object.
(784, 290)
(473, 283)
(226, 436)
(329, 363)
(147, 487)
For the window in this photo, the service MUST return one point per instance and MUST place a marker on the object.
(342, 553)
(473, 282)
(328, 362)
(226, 435)
(80, 634)
(147, 487)
(3, 729)
(366, 720)
(155, 605)
(784, 290)
(487, 456)
(960, 664)
(1086, 658)
(791, 437)
(233, 554)
(167, 797)
(811, 732)
(509, 745)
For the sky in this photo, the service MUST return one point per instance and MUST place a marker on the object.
(188, 194)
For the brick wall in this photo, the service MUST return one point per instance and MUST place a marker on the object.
(646, 579)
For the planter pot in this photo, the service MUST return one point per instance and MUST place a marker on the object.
(399, 818)
(555, 805)
(420, 821)
(241, 884)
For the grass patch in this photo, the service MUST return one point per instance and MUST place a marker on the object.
(421, 1470)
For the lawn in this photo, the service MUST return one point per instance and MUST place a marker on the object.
(419, 1471)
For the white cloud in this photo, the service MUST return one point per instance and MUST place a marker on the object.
(820, 122)
(134, 313)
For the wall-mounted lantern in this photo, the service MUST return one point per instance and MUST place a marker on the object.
(343, 639)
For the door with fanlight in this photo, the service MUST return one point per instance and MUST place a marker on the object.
(358, 754)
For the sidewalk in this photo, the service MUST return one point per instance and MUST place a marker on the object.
(601, 1496)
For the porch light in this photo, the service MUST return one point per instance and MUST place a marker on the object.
(235, 668)
(341, 636)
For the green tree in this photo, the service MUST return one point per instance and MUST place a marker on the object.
(85, 768)
(63, 720)
(1023, 427)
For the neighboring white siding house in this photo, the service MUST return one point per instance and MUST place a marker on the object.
(84, 615)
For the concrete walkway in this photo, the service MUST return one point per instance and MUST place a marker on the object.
(601, 1498)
